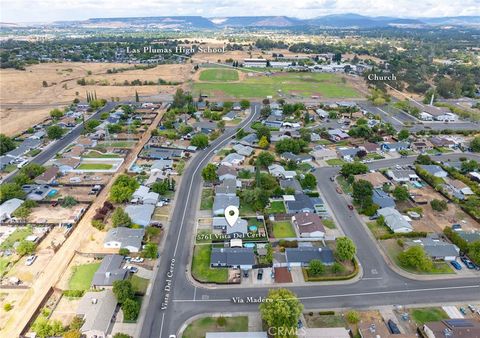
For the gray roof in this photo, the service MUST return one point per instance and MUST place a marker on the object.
(437, 248)
(27, 145)
(432, 168)
(110, 270)
(348, 151)
(469, 236)
(394, 220)
(242, 149)
(291, 183)
(250, 139)
(162, 164)
(302, 203)
(232, 256)
(97, 309)
(5, 160)
(222, 201)
(126, 236)
(396, 145)
(231, 114)
(223, 189)
(140, 214)
(233, 157)
(163, 153)
(382, 199)
(225, 169)
(305, 254)
(8, 207)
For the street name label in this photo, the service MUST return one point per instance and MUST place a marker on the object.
(249, 300)
(168, 284)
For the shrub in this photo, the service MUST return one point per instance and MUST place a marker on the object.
(124, 252)
(221, 321)
(98, 224)
(7, 307)
(73, 293)
(352, 316)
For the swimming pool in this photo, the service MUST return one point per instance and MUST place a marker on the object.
(249, 245)
(252, 228)
(52, 192)
(417, 184)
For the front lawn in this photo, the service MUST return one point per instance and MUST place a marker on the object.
(335, 161)
(200, 327)
(283, 229)
(82, 276)
(139, 284)
(276, 207)
(207, 199)
(94, 166)
(16, 236)
(328, 223)
(378, 230)
(325, 320)
(431, 314)
(346, 187)
(201, 269)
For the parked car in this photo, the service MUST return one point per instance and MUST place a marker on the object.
(30, 260)
(245, 273)
(137, 260)
(54, 203)
(350, 207)
(339, 190)
(456, 227)
(468, 263)
(260, 274)
(332, 179)
(456, 265)
(393, 327)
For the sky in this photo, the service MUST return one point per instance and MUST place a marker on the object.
(57, 10)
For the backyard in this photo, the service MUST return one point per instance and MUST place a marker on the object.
(200, 327)
(201, 266)
(283, 229)
(82, 276)
(276, 207)
(16, 236)
(94, 166)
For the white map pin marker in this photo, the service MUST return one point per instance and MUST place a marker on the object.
(231, 214)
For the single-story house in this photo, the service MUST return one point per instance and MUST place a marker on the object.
(469, 236)
(322, 113)
(155, 175)
(301, 158)
(336, 135)
(140, 214)
(124, 238)
(225, 172)
(230, 116)
(303, 255)
(24, 147)
(97, 310)
(233, 159)
(163, 153)
(402, 175)
(303, 203)
(86, 142)
(371, 147)
(205, 127)
(394, 220)
(279, 171)
(438, 141)
(323, 332)
(8, 208)
(48, 176)
(376, 179)
(348, 154)
(222, 201)
(243, 258)
(273, 122)
(240, 227)
(250, 139)
(243, 150)
(321, 153)
(434, 170)
(110, 270)
(437, 249)
(36, 192)
(228, 187)
(145, 196)
(6, 160)
(394, 146)
(291, 183)
(382, 199)
(308, 224)
(459, 189)
(421, 146)
(67, 164)
(161, 165)
(453, 327)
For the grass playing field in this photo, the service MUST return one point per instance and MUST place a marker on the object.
(277, 85)
(218, 75)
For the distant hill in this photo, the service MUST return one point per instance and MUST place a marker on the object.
(327, 21)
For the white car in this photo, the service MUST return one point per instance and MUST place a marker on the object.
(137, 260)
(30, 260)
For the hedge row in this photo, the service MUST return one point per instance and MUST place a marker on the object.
(331, 278)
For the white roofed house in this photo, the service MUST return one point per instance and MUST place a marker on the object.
(97, 310)
(145, 196)
(437, 249)
(8, 208)
(140, 214)
(226, 172)
(279, 171)
(124, 238)
(233, 159)
(394, 220)
(220, 202)
(243, 150)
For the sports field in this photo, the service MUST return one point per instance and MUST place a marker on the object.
(218, 75)
(278, 85)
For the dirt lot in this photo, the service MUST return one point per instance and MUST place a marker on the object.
(97, 178)
(44, 213)
(25, 102)
(65, 310)
(79, 193)
(434, 221)
(13, 297)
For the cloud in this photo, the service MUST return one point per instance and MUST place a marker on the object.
(52, 10)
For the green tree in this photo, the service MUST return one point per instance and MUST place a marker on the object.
(121, 219)
(9, 191)
(403, 134)
(91, 124)
(22, 212)
(114, 128)
(468, 166)
(346, 249)
(25, 248)
(263, 142)
(121, 335)
(281, 310)
(56, 113)
(6, 144)
(244, 104)
(474, 251)
(309, 181)
(55, 132)
(400, 193)
(362, 193)
(290, 145)
(415, 257)
(123, 251)
(68, 202)
(131, 309)
(354, 168)
(161, 187)
(439, 205)
(200, 141)
(7, 307)
(123, 188)
(262, 131)
(123, 290)
(475, 144)
(150, 251)
(353, 317)
(423, 159)
(209, 172)
(265, 159)
(316, 267)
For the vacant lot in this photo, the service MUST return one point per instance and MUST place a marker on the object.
(207, 199)
(200, 327)
(201, 266)
(325, 320)
(46, 214)
(95, 166)
(218, 75)
(279, 84)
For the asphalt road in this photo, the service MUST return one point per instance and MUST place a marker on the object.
(174, 299)
(51, 150)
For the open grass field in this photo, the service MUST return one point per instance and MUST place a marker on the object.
(200, 327)
(94, 166)
(219, 74)
(201, 266)
(82, 276)
(283, 229)
(301, 84)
